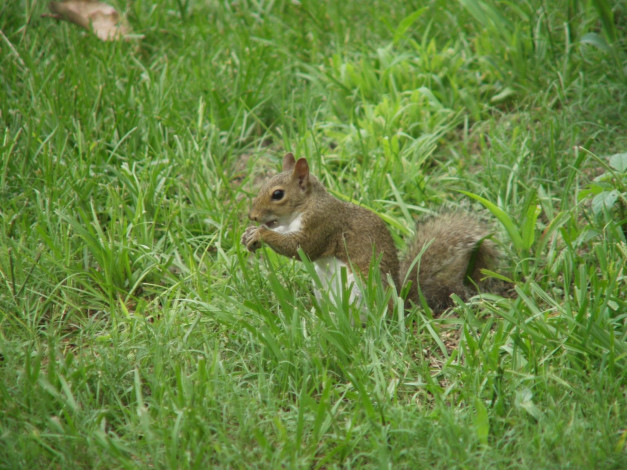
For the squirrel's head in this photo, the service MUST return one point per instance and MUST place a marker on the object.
(281, 197)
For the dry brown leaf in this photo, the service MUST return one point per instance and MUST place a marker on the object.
(102, 19)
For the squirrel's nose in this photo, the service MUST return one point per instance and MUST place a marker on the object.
(253, 217)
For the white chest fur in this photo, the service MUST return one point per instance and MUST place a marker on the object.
(329, 270)
(289, 225)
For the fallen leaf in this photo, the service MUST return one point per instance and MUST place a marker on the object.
(102, 19)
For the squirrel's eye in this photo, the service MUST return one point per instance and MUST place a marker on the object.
(277, 195)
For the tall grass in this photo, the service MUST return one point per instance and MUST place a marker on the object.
(136, 331)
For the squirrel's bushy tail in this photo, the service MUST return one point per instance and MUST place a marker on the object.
(457, 251)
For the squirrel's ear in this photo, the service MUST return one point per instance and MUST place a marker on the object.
(288, 162)
(301, 172)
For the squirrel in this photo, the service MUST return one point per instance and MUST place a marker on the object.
(295, 211)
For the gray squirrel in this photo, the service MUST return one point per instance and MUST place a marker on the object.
(294, 210)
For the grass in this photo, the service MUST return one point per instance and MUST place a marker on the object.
(136, 332)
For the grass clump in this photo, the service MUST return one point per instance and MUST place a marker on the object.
(134, 329)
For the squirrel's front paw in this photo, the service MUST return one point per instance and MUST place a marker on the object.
(251, 238)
